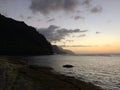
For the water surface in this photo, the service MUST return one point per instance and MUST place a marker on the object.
(101, 70)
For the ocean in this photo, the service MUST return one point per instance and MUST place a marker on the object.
(101, 70)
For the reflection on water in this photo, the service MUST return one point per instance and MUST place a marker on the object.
(100, 70)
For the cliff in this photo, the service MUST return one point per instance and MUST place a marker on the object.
(59, 50)
(16, 38)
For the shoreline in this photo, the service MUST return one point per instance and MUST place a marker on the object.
(74, 84)
(20, 76)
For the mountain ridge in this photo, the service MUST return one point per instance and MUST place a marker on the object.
(17, 38)
(59, 50)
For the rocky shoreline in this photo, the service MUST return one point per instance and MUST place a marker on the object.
(16, 75)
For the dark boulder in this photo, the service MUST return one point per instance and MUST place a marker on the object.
(68, 66)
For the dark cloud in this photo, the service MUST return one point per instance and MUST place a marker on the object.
(47, 6)
(75, 45)
(78, 17)
(22, 17)
(69, 40)
(82, 31)
(85, 46)
(97, 32)
(53, 27)
(66, 31)
(96, 9)
(29, 17)
(55, 33)
(83, 35)
(39, 20)
(86, 2)
(50, 20)
(73, 36)
(78, 11)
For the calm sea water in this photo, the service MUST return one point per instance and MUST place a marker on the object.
(103, 71)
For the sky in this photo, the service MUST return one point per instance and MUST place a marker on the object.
(83, 26)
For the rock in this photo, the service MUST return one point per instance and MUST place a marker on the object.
(68, 66)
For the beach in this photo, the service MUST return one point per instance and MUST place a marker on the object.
(16, 75)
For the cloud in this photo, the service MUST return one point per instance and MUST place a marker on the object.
(78, 17)
(69, 40)
(97, 32)
(4, 13)
(53, 27)
(83, 35)
(22, 17)
(96, 9)
(54, 33)
(82, 31)
(50, 20)
(29, 17)
(52, 6)
(75, 45)
(47, 6)
(86, 2)
(78, 11)
(39, 20)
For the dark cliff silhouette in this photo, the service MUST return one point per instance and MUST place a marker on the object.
(59, 50)
(16, 38)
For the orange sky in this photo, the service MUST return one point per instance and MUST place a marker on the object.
(95, 49)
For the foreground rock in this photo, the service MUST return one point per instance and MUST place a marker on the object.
(16, 38)
(68, 66)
